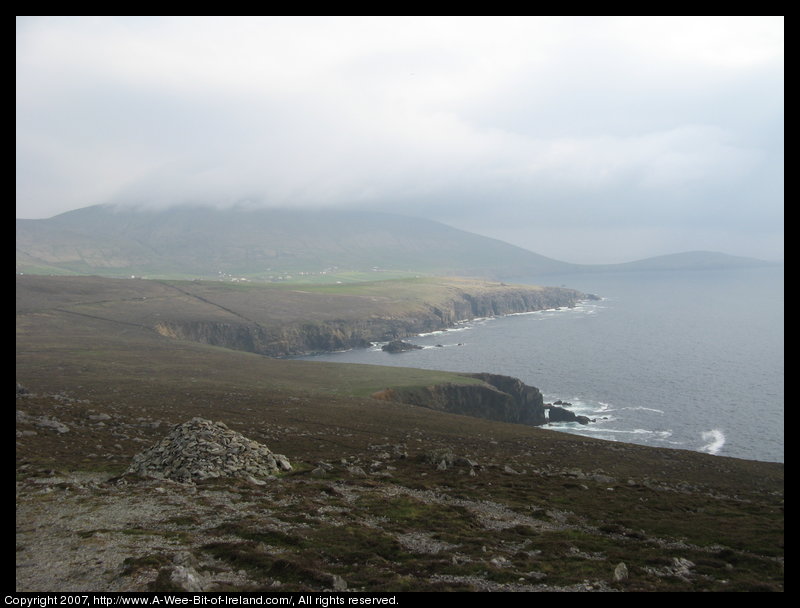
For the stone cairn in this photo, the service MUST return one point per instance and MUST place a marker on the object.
(201, 449)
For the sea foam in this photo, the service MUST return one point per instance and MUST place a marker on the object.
(714, 439)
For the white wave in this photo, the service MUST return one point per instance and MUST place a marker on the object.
(549, 313)
(715, 439)
(591, 409)
(461, 326)
(542, 312)
(480, 320)
(607, 407)
(592, 429)
(644, 409)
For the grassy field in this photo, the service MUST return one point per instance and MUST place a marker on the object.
(368, 505)
(138, 301)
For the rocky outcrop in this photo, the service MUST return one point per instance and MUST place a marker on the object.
(521, 300)
(279, 341)
(501, 398)
(560, 414)
(528, 398)
(399, 346)
(200, 449)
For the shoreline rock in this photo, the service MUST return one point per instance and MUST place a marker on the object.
(399, 346)
(560, 414)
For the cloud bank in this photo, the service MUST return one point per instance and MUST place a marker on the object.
(583, 138)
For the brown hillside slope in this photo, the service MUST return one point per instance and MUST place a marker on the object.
(382, 496)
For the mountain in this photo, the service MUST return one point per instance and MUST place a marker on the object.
(688, 260)
(192, 241)
(273, 244)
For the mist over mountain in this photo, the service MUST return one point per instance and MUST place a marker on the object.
(687, 260)
(272, 244)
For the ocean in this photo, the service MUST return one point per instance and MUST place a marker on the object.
(688, 360)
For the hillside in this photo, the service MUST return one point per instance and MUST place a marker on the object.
(265, 244)
(381, 495)
(687, 260)
(319, 246)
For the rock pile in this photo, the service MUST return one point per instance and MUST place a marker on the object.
(202, 449)
(399, 346)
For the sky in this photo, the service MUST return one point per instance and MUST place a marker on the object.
(585, 139)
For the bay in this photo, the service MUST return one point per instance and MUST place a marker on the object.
(679, 359)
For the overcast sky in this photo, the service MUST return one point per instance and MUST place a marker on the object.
(586, 139)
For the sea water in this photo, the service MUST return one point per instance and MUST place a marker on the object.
(680, 359)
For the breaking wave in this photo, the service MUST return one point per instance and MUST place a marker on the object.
(714, 439)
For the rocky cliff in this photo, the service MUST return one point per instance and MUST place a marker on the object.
(295, 339)
(501, 398)
(306, 337)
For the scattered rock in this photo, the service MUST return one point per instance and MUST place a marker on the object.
(466, 462)
(399, 346)
(559, 414)
(423, 542)
(445, 459)
(42, 422)
(201, 449)
(621, 572)
(680, 568)
(177, 578)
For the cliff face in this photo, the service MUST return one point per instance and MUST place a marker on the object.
(294, 339)
(270, 341)
(527, 399)
(501, 398)
(298, 338)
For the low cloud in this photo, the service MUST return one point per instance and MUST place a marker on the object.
(509, 124)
